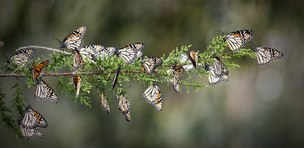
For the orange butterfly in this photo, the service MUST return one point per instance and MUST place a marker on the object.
(77, 83)
(38, 68)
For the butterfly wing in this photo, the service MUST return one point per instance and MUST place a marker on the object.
(193, 56)
(237, 39)
(33, 119)
(22, 57)
(77, 84)
(78, 61)
(124, 106)
(104, 103)
(45, 92)
(127, 54)
(212, 77)
(29, 133)
(219, 68)
(38, 68)
(153, 96)
(75, 39)
(264, 56)
(130, 52)
(150, 64)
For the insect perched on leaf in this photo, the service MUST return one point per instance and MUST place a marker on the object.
(22, 57)
(150, 64)
(92, 52)
(124, 106)
(190, 61)
(177, 72)
(217, 73)
(37, 69)
(74, 40)
(130, 52)
(29, 133)
(265, 55)
(237, 39)
(78, 61)
(77, 83)
(44, 92)
(33, 119)
(104, 103)
(193, 56)
(220, 69)
(153, 96)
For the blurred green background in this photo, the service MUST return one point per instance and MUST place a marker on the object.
(259, 107)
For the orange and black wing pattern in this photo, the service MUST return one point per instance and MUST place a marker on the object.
(37, 69)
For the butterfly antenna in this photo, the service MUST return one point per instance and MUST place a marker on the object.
(220, 32)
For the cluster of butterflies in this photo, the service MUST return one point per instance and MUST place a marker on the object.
(30, 122)
(217, 71)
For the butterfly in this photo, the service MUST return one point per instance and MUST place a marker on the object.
(91, 52)
(149, 64)
(30, 132)
(130, 52)
(177, 72)
(116, 77)
(238, 39)
(77, 83)
(219, 68)
(104, 103)
(1, 43)
(153, 96)
(191, 58)
(213, 78)
(33, 119)
(74, 40)
(266, 55)
(36, 70)
(22, 57)
(78, 61)
(124, 106)
(44, 92)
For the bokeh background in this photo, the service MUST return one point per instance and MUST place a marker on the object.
(258, 107)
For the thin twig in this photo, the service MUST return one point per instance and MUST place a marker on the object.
(52, 74)
(42, 47)
(63, 74)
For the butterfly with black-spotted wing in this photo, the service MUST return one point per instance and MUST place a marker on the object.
(22, 57)
(44, 92)
(237, 39)
(33, 119)
(74, 40)
(124, 106)
(37, 69)
(130, 52)
(266, 55)
(153, 96)
(150, 64)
